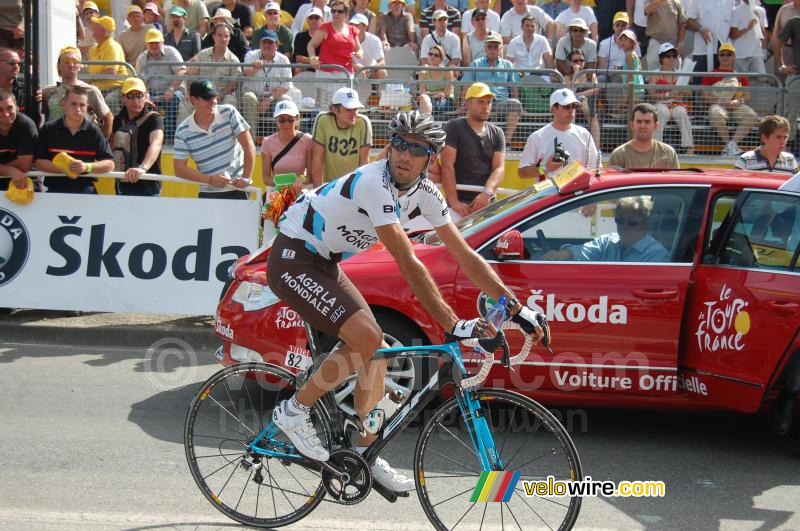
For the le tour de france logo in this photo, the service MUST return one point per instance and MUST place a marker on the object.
(14, 246)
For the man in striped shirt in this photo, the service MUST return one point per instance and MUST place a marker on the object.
(770, 155)
(218, 140)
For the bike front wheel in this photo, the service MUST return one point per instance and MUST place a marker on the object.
(226, 415)
(528, 439)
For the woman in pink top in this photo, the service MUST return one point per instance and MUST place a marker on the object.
(297, 159)
(341, 43)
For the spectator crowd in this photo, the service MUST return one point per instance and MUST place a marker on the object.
(218, 78)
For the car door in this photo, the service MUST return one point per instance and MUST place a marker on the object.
(745, 299)
(615, 324)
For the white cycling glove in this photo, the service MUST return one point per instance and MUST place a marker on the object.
(466, 329)
(528, 320)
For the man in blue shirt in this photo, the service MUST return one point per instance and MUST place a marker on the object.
(630, 243)
(503, 83)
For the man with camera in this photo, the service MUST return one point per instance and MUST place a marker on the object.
(552, 147)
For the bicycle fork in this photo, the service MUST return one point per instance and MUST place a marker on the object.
(479, 432)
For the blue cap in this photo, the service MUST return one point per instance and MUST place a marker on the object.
(270, 35)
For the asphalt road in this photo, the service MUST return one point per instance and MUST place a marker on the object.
(91, 438)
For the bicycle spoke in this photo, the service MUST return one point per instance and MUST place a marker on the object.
(551, 452)
(246, 483)
(505, 439)
(203, 436)
(295, 479)
(229, 463)
(483, 516)
(532, 509)
(518, 491)
(458, 439)
(272, 492)
(463, 516)
(512, 515)
(227, 481)
(256, 412)
(455, 496)
(216, 455)
(233, 416)
(455, 462)
(441, 476)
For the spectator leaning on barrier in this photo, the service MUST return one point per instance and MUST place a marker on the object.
(436, 85)
(163, 82)
(576, 39)
(338, 43)
(236, 41)
(445, 38)
(770, 155)
(301, 40)
(671, 102)
(371, 47)
(396, 27)
(289, 150)
(68, 66)
(643, 151)
(747, 33)
(132, 39)
(107, 50)
(140, 132)
(492, 22)
(711, 21)
(218, 139)
(473, 42)
(511, 21)
(186, 41)
(196, 15)
(666, 23)
(76, 136)
(502, 81)
(427, 20)
(304, 10)
(537, 161)
(342, 137)
(474, 153)
(729, 104)
(273, 12)
(264, 65)
(576, 11)
(18, 137)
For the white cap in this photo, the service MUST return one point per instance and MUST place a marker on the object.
(272, 6)
(315, 11)
(439, 13)
(665, 47)
(563, 97)
(347, 97)
(285, 107)
(359, 18)
(578, 23)
(223, 13)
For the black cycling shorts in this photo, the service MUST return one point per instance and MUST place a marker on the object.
(314, 287)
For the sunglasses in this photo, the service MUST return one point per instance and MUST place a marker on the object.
(70, 61)
(338, 11)
(284, 120)
(434, 55)
(479, 18)
(417, 150)
(670, 56)
(313, 17)
(577, 30)
(273, 13)
(576, 61)
(14, 62)
(631, 222)
(493, 45)
(134, 95)
(722, 54)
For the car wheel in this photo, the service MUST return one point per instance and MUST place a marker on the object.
(402, 374)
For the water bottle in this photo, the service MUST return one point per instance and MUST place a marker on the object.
(497, 313)
(384, 409)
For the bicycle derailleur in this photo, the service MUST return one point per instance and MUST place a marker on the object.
(346, 477)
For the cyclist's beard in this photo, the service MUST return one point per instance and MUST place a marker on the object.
(412, 184)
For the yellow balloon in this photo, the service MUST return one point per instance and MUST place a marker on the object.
(742, 323)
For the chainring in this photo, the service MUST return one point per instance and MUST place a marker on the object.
(359, 483)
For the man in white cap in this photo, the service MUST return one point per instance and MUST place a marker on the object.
(575, 11)
(444, 38)
(303, 11)
(273, 13)
(576, 38)
(342, 137)
(371, 46)
(541, 158)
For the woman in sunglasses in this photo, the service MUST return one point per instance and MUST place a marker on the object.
(436, 85)
(288, 150)
(671, 102)
(584, 85)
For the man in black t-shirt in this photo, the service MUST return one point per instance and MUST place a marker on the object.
(149, 139)
(17, 142)
(474, 153)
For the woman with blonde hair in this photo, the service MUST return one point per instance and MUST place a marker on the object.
(288, 150)
(436, 85)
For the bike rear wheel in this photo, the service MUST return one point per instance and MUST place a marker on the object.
(528, 439)
(228, 412)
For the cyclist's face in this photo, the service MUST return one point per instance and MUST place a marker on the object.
(405, 166)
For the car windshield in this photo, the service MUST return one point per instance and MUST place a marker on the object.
(471, 224)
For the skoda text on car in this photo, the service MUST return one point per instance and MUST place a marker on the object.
(712, 323)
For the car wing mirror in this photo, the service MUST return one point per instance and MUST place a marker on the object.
(509, 246)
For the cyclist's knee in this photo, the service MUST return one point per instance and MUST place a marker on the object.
(363, 335)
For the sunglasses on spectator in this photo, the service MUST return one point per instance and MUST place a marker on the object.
(493, 45)
(481, 17)
(339, 11)
(285, 120)
(14, 62)
(671, 55)
(577, 30)
(134, 95)
(631, 222)
(721, 54)
(620, 24)
(273, 13)
(313, 17)
(434, 55)
(417, 150)
(581, 61)
(71, 61)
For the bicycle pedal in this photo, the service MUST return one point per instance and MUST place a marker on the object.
(388, 494)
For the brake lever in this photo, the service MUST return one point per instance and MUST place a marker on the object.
(491, 344)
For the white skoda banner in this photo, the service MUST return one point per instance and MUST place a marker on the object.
(121, 254)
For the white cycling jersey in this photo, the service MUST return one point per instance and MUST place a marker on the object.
(338, 219)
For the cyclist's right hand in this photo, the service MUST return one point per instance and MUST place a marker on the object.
(467, 329)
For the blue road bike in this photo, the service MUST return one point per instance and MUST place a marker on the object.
(250, 471)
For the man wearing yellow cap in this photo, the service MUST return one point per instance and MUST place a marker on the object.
(132, 39)
(109, 50)
(163, 82)
(88, 11)
(68, 66)
(474, 153)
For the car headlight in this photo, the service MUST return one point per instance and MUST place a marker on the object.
(254, 296)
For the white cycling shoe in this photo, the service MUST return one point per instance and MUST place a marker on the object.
(301, 432)
(390, 478)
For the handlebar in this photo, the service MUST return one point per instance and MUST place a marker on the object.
(488, 347)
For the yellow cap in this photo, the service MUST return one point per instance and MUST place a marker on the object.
(133, 83)
(134, 9)
(153, 35)
(107, 22)
(90, 5)
(68, 49)
(621, 15)
(727, 47)
(478, 90)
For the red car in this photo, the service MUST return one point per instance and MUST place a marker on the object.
(709, 319)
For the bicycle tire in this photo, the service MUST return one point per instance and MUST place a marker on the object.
(228, 411)
(447, 469)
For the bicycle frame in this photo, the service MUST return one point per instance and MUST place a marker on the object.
(451, 371)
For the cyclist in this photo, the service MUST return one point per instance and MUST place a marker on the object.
(345, 217)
